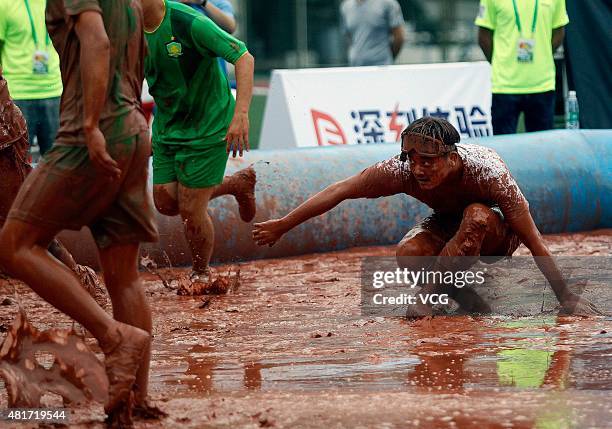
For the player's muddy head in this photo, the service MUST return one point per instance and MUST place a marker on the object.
(430, 146)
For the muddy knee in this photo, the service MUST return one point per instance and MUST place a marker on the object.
(165, 203)
(417, 250)
(474, 225)
(477, 217)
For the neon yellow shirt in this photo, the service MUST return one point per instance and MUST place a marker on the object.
(509, 75)
(17, 49)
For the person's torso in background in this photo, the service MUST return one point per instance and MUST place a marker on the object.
(509, 75)
(193, 97)
(367, 23)
(224, 6)
(18, 49)
(122, 115)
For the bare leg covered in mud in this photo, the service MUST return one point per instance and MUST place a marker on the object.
(24, 255)
(87, 277)
(481, 232)
(15, 168)
(240, 184)
(126, 291)
(172, 199)
(199, 229)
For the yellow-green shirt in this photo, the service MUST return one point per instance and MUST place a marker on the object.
(17, 48)
(509, 76)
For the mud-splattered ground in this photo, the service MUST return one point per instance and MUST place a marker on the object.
(290, 348)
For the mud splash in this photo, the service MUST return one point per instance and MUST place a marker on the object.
(263, 356)
(221, 285)
(74, 372)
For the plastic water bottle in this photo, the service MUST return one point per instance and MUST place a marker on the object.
(571, 110)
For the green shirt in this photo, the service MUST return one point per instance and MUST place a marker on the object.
(17, 49)
(509, 75)
(193, 97)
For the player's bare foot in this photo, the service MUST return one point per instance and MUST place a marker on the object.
(121, 416)
(243, 182)
(123, 350)
(202, 283)
(201, 277)
(197, 283)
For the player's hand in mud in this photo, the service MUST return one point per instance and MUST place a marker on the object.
(579, 306)
(269, 232)
(237, 137)
(99, 156)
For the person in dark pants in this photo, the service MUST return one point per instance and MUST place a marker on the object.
(539, 110)
(42, 116)
(518, 38)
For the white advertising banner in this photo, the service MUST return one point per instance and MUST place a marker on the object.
(365, 105)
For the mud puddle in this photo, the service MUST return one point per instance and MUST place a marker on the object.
(291, 349)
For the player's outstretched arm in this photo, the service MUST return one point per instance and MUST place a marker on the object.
(95, 61)
(268, 233)
(525, 228)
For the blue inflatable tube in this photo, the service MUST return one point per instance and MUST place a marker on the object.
(565, 175)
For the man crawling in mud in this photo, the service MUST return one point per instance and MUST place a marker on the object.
(14, 148)
(478, 210)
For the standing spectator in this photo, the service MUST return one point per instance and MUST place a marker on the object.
(374, 29)
(31, 67)
(518, 38)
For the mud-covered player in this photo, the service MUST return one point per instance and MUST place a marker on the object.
(95, 175)
(15, 166)
(478, 207)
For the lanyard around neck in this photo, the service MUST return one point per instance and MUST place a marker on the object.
(518, 19)
(34, 36)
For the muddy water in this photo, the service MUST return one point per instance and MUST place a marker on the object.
(290, 348)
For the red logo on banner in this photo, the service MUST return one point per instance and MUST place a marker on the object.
(327, 128)
(394, 125)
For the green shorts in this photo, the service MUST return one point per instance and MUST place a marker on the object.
(200, 167)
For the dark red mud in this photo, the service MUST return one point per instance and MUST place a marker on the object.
(290, 348)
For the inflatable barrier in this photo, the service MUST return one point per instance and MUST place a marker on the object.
(565, 175)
